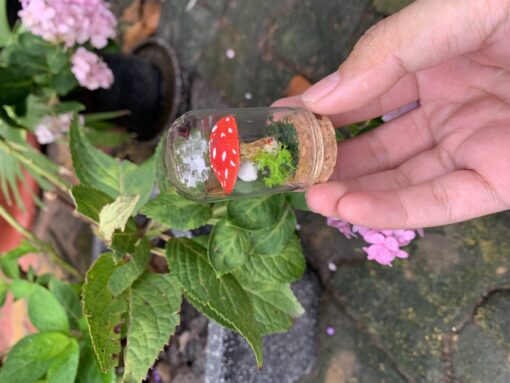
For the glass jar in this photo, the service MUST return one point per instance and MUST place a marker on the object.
(214, 155)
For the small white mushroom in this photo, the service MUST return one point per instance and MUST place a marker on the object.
(248, 171)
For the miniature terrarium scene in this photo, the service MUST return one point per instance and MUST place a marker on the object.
(222, 154)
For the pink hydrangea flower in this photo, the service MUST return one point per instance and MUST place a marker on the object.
(90, 70)
(50, 128)
(342, 226)
(384, 244)
(69, 21)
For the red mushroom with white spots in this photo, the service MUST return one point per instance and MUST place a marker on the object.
(224, 152)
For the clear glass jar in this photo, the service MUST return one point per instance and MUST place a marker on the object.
(214, 155)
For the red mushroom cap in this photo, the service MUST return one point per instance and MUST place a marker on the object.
(224, 152)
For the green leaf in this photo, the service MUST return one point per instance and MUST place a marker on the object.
(126, 274)
(68, 107)
(273, 239)
(31, 357)
(221, 299)
(116, 214)
(89, 202)
(255, 213)
(297, 200)
(228, 247)
(5, 32)
(169, 208)
(275, 307)
(69, 299)
(4, 116)
(107, 138)
(14, 86)
(4, 289)
(64, 367)
(88, 370)
(9, 260)
(90, 118)
(64, 81)
(112, 176)
(44, 310)
(103, 312)
(155, 300)
(284, 267)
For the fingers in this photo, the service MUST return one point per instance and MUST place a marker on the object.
(403, 93)
(422, 168)
(451, 198)
(420, 36)
(383, 148)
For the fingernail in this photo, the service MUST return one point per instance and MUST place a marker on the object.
(322, 88)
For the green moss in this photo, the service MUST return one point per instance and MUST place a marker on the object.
(285, 133)
(276, 167)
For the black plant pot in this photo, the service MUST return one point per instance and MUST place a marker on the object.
(13, 7)
(148, 83)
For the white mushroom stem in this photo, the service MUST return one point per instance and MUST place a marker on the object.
(248, 171)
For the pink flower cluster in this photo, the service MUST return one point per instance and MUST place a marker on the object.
(69, 21)
(90, 70)
(384, 245)
(50, 128)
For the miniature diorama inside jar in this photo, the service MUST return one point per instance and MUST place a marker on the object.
(213, 155)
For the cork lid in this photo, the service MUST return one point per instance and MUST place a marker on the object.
(330, 149)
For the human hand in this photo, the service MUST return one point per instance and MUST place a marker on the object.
(448, 160)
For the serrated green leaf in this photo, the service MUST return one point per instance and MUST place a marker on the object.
(275, 307)
(222, 299)
(298, 201)
(64, 367)
(228, 247)
(256, 213)
(111, 176)
(155, 300)
(31, 357)
(15, 86)
(202, 240)
(9, 259)
(44, 310)
(273, 239)
(69, 299)
(170, 208)
(285, 267)
(103, 312)
(126, 274)
(89, 202)
(116, 214)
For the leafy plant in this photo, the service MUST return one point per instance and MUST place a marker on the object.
(284, 131)
(276, 167)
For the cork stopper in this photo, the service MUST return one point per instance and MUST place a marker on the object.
(330, 148)
(320, 148)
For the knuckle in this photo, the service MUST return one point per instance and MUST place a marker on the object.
(378, 150)
(442, 200)
(402, 179)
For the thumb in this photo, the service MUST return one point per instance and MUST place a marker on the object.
(422, 35)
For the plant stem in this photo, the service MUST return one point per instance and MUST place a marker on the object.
(158, 252)
(40, 245)
(16, 151)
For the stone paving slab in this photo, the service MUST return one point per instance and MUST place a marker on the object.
(441, 315)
